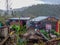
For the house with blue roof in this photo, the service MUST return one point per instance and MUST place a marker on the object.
(44, 22)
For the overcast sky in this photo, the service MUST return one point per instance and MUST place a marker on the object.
(23, 3)
(51, 1)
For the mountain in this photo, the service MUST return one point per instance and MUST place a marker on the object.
(40, 10)
(36, 10)
(2, 12)
(20, 9)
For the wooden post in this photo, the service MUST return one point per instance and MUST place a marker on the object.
(5, 32)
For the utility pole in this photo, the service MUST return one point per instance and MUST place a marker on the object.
(7, 7)
(12, 12)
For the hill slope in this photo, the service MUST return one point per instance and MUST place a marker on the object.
(40, 10)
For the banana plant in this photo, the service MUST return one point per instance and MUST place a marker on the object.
(20, 30)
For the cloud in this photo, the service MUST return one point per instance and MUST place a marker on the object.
(18, 3)
(50, 1)
(2, 4)
(23, 3)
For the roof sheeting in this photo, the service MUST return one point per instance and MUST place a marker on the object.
(21, 18)
(39, 18)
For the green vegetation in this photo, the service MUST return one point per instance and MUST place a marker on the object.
(2, 18)
(47, 34)
(36, 10)
(40, 10)
(19, 30)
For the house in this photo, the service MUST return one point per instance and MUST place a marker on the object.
(45, 22)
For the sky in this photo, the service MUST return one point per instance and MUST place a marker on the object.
(22, 3)
(51, 1)
(18, 3)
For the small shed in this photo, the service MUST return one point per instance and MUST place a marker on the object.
(21, 20)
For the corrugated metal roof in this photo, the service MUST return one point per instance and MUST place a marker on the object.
(21, 18)
(39, 18)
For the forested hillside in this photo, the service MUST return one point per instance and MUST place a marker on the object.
(38, 10)
(42, 10)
